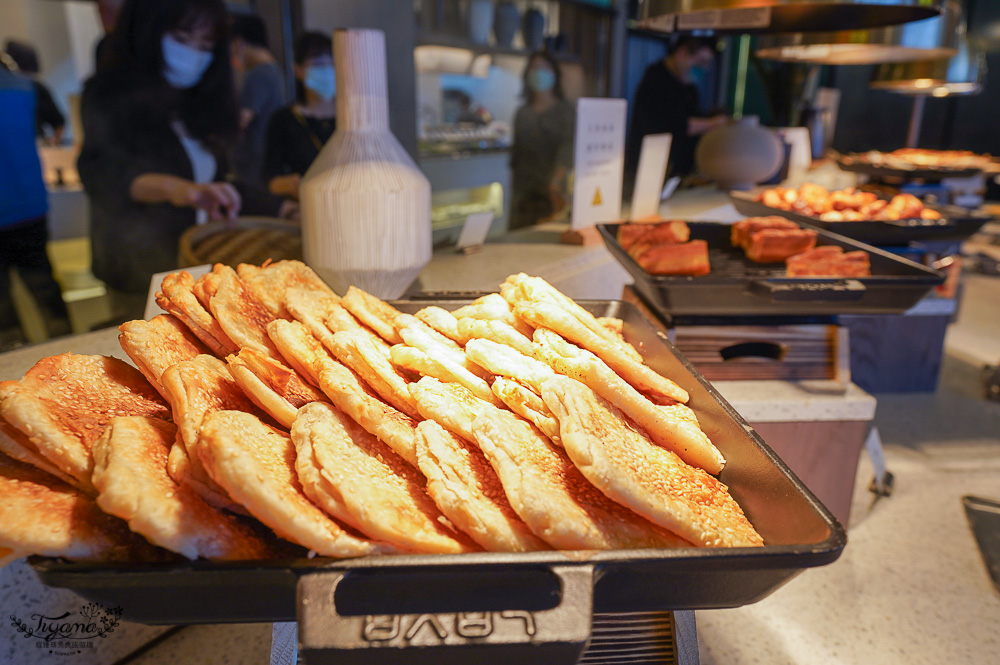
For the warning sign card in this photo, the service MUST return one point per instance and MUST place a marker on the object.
(599, 161)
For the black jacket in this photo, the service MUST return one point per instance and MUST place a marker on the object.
(131, 241)
(663, 104)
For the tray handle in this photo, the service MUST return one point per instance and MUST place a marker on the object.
(806, 290)
(458, 629)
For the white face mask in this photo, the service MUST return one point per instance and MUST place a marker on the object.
(183, 66)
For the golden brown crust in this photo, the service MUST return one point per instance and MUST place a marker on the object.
(442, 321)
(42, 515)
(274, 387)
(468, 492)
(383, 497)
(271, 282)
(64, 403)
(255, 464)
(357, 352)
(495, 331)
(544, 488)
(300, 349)
(157, 344)
(526, 403)
(625, 465)
(176, 296)
(130, 472)
(441, 368)
(374, 312)
(492, 307)
(241, 315)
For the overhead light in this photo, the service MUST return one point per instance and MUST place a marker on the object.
(961, 74)
(781, 15)
(928, 39)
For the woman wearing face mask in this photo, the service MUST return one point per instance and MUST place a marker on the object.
(542, 150)
(297, 132)
(158, 120)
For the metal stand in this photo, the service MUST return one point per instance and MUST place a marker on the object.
(916, 119)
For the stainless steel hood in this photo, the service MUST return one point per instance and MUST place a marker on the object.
(775, 16)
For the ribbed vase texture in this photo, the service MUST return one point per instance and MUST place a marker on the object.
(366, 206)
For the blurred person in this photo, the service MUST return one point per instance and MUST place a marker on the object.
(298, 132)
(107, 11)
(262, 92)
(158, 120)
(49, 120)
(542, 149)
(666, 101)
(23, 208)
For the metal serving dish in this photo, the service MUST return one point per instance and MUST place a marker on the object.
(534, 606)
(738, 286)
(858, 164)
(956, 223)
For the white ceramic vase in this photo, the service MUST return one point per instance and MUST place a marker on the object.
(366, 206)
(739, 155)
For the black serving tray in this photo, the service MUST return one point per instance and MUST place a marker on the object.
(956, 224)
(858, 164)
(738, 286)
(535, 606)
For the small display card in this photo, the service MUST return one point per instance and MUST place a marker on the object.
(649, 176)
(474, 231)
(599, 161)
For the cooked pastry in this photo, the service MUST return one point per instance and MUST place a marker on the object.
(355, 350)
(495, 331)
(42, 515)
(442, 321)
(671, 232)
(776, 245)
(130, 474)
(383, 497)
(157, 344)
(689, 258)
(654, 482)
(468, 492)
(277, 389)
(300, 349)
(271, 282)
(441, 367)
(255, 463)
(739, 233)
(492, 307)
(557, 503)
(241, 315)
(529, 405)
(64, 403)
(829, 261)
(374, 312)
(176, 296)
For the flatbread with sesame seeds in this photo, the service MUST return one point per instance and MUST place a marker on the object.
(130, 474)
(468, 492)
(374, 312)
(157, 344)
(176, 296)
(382, 496)
(64, 402)
(492, 307)
(271, 283)
(624, 464)
(42, 515)
(442, 321)
(441, 368)
(241, 315)
(299, 347)
(554, 499)
(495, 331)
(356, 351)
(276, 388)
(255, 463)
(526, 403)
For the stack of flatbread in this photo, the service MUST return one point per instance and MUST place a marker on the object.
(268, 414)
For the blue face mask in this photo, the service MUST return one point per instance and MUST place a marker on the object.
(322, 80)
(541, 80)
(183, 66)
(697, 74)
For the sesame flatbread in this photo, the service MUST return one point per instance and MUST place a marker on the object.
(441, 368)
(631, 469)
(442, 321)
(492, 307)
(419, 335)
(553, 498)
(383, 497)
(176, 296)
(503, 360)
(42, 515)
(255, 463)
(241, 315)
(356, 351)
(468, 492)
(350, 394)
(130, 474)
(495, 331)
(276, 388)
(673, 427)
(644, 379)
(341, 319)
(157, 344)
(374, 312)
(64, 403)
(271, 282)
(526, 403)
(300, 349)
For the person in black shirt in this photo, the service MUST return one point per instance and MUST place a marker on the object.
(667, 102)
(297, 132)
(49, 120)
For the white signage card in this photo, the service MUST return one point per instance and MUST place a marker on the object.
(599, 161)
(474, 231)
(649, 176)
(152, 309)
